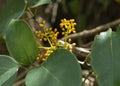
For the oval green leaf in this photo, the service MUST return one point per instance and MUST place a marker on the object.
(39, 2)
(61, 69)
(21, 42)
(106, 58)
(8, 70)
(13, 9)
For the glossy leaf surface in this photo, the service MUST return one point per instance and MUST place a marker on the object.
(21, 42)
(106, 58)
(13, 9)
(8, 70)
(61, 69)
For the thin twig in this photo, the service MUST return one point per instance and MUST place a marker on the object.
(30, 15)
(94, 31)
(20, 82)
(21, 75)
(78, 51)
(55, 8)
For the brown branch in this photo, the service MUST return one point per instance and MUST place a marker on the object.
(20, 78)
(31, 21)
(21, 75)
(20, 82)
(93, 31)
(80, 52)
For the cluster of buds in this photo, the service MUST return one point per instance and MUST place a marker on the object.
(51, 36)
(67, 26)
(47, 34)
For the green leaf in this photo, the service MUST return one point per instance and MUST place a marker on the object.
(21, 42)
(106, 58)
(39, 2)
(8, 70)
(61, 69)
(13, 9)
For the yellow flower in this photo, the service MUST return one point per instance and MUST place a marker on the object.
(68, 26)
(51, 36)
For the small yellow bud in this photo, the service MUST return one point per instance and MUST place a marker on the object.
(63, 33)
(40, 39)
(55, 30)
(45, 39)
(37, 58)
(72, 20)
(47, 54)
(50, 28)
(41, 25)
(70, 50)
(63, 29)
(69, 40)
(74, 31)
(73, 44)
(44, 22)
(46, 30)
(36, 32)
(44, 59)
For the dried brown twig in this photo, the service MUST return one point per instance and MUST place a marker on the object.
(78, 51)
(20, 82)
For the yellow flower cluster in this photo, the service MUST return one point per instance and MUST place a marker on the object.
(67, 26)
(47, 34)
(48, 51)
(50, 35)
